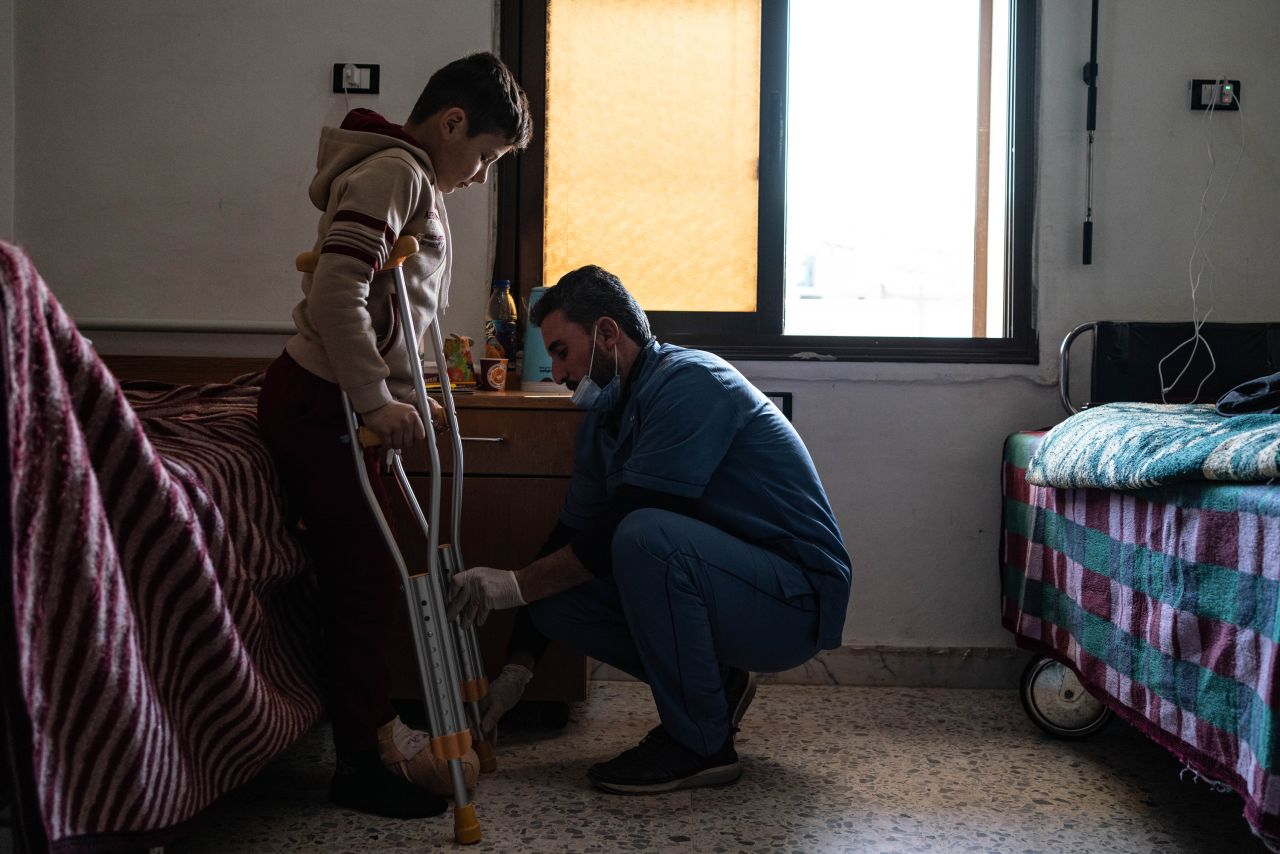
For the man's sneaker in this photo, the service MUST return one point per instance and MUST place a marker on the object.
(366, 785)
(659, 763)
(739, 691)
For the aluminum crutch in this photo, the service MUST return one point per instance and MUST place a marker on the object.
(434, 641)
(474, 684)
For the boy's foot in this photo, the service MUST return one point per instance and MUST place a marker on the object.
(739, 691)
(366, 785)
(662, 764)
(406, 752)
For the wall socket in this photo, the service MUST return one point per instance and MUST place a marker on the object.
(1219, 93)
(364, 80)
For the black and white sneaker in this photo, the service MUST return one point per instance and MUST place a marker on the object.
(739, 691)
(659, 763)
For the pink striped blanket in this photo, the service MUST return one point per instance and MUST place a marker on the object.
(1166, 602)
(158, 621)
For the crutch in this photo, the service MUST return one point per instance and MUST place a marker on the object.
(474, 685)
(435, 644)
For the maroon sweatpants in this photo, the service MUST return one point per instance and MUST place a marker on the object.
(302, 420)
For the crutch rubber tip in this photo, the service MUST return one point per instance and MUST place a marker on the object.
(466, 830)
(488, 758)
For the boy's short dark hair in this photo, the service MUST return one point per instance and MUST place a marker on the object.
(588, 294)
(486, 90)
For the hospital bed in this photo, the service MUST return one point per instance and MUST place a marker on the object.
(1140, 559)
(158, 634)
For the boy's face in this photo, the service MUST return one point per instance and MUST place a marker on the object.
(462, 160)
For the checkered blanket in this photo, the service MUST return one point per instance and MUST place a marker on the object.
(1132, 445)
(1166, 601)
(157, 626)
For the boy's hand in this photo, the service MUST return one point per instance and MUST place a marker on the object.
(397, 423)
(438, 421)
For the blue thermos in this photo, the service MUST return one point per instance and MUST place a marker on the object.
(537, 364)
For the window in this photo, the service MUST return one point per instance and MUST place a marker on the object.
(772, 179)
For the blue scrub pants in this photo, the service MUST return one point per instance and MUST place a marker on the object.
(684, 599)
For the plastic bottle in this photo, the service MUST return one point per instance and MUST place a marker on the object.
(500, 322)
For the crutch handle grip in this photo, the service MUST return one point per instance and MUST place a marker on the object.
(368, 438)
(404, 246)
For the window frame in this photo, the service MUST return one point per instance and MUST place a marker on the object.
(758, 335)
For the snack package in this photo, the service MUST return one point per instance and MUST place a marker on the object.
(458, 365)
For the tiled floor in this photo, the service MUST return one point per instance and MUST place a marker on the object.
(826, 769)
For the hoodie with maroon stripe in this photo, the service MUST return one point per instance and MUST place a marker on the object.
(373, 183)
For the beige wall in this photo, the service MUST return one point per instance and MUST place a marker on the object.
(169, 149)
(164, 149)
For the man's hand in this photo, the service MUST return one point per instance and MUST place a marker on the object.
(480, 590)
(504, 693)
(396, 423)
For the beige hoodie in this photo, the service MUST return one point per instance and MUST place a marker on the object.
(372, 187)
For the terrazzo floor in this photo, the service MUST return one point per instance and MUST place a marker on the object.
(825, 769)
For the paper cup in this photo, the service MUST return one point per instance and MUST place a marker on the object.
(493, 375)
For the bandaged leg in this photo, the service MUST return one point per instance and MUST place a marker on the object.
(407, 752)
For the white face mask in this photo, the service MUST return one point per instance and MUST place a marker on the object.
(588, 395)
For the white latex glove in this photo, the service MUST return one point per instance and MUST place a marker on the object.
(504, 693)
(482, 589)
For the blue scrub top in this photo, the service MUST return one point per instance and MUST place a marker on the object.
(693, 426)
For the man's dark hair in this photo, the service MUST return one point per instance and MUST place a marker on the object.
(486, 90)
(588, 294)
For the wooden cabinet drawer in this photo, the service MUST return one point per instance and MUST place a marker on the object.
(507, 441)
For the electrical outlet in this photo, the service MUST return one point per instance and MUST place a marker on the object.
(1220, 94)
(355, 78)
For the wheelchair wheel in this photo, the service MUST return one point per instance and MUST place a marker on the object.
(1054, 699)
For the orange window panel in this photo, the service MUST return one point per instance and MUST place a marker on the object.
(652, 146)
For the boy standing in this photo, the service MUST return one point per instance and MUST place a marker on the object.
(375, 181)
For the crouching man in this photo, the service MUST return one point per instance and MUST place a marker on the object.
(700, 543)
